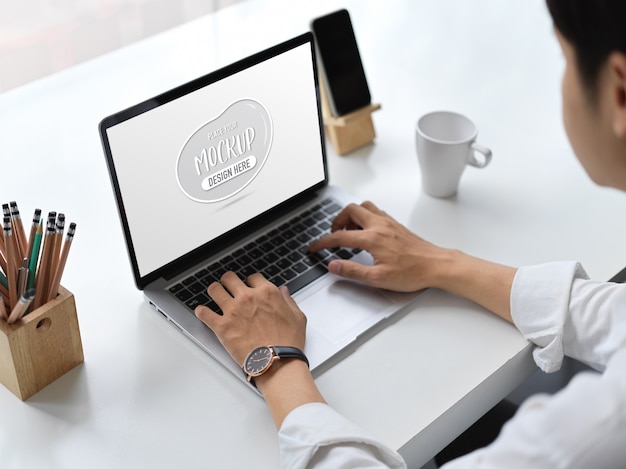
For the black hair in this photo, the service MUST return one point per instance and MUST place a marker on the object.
(594, 28)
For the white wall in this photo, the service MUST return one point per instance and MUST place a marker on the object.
(39, 37)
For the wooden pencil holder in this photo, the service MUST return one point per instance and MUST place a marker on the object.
(41, 347)
(351, 131)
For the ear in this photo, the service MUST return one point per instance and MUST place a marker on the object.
(617, 68)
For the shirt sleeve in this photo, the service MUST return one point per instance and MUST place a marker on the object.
(562, 312)
(584, 425)
(315, 435)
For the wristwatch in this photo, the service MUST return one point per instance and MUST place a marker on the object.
(261, 358)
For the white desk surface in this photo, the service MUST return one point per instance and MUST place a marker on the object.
(146, 396)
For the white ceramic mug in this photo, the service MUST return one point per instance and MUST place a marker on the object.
(446, 143)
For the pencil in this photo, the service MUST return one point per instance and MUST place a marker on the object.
(3, 254)
(13, 241)
(4, 291)
(34, 255)
(58, 241)
(41, 281)
(6, 211)
(20, 308)
(33, 231)
(22, 277)
(11, 271)
(3, 309)
(56, 281)
(2, 249)
(18, 228)
(3, 258)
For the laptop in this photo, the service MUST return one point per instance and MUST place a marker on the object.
(228, 172)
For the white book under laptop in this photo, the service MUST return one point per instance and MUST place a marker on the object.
(228, 172)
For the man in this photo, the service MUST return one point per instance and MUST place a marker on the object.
(554, 306)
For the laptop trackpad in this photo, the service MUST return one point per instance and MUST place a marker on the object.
(343, 310)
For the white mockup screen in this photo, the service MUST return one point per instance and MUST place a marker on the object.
(196, 167)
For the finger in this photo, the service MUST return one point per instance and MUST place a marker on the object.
(208, 316)
(219, 294)
(301, 317)
(372, 207)
(231, 282)
(351, 216)
(256, 280)
(289, 299)
(344, 238)
(351, 270)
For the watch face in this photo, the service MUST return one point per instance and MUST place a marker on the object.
(258, 361)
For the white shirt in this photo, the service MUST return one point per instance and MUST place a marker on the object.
(557, 308)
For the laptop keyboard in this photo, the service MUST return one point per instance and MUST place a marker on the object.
(281, 255)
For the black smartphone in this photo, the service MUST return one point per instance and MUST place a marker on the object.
(340, 63)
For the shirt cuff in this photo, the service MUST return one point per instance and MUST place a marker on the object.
(539, 308)
(316, 427)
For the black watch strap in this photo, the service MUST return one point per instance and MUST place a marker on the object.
(290, 352)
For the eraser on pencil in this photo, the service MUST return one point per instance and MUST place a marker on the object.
(14, 210)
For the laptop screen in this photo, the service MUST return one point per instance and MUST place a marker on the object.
(195, 163)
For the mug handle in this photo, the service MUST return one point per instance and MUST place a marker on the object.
(477, 147)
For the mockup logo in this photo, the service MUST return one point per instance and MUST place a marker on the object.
(224, 155)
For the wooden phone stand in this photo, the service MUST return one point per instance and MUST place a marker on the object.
(350, 131)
